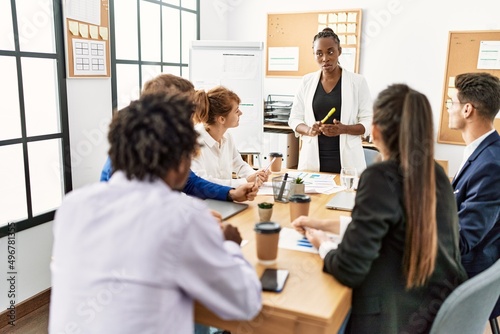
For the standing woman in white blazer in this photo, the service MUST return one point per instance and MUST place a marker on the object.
(337, 143)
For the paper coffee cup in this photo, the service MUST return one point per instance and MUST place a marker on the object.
(299, 206)
(267, 235)
(276, 165)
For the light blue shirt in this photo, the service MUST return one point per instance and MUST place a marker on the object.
(132, 256)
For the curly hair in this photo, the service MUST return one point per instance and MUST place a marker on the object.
(152, 135)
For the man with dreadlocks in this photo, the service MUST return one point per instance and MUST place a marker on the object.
(124, 259)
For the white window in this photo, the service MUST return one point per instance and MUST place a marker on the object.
(34, 147)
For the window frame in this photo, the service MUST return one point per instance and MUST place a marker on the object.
(63, 134)
(139, 62)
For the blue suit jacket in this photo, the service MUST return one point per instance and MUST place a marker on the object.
(195, 185)
(477, 191)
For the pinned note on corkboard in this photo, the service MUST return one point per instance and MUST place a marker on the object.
(468, 51)
(87, 38)
(290, 36)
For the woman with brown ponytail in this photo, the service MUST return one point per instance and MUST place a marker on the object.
(400, 252)
(217, 111)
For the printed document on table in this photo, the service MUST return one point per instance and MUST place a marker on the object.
(318, 183)
(291, 239)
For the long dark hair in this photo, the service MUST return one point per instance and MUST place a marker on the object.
(404, 118)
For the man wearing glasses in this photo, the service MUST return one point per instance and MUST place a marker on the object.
(472, 108)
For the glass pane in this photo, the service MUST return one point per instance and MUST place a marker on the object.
(150, 32)
(171, 35)
(172, 2)
(35, 22)
(149, 72)
(10, 120)
(175, 70)
(189, 28)
(45, 175)
(190, 4)
(13, 195)
(127, 82)
(41, 95)
(7, 34)
(126, 39)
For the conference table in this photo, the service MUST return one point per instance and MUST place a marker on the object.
(311, 302)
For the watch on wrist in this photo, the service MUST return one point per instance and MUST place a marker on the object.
(229, 198)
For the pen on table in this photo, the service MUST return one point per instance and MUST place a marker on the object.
(283, 184)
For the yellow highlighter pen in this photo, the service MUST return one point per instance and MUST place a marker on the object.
(330, 113)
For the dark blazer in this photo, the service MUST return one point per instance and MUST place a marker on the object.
(477, 192)
(370, 257)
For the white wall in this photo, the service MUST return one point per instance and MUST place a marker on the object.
(32, 259)
(402, 41)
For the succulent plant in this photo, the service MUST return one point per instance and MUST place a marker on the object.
(299, 180)
(265, 205)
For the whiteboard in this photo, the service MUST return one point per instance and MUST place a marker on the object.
(237, 66)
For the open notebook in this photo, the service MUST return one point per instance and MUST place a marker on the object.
(225, 208)
(343, 200)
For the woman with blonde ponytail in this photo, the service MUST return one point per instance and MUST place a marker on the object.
(400, 252)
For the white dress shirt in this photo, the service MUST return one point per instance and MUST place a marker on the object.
(132, 256)
(217, 162)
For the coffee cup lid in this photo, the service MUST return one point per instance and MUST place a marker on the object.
(267, 227)
(276, 154)
(299, 198)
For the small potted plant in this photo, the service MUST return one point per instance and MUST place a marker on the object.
(265, 211)
(297, 187)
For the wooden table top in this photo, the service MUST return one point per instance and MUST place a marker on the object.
(311, 301)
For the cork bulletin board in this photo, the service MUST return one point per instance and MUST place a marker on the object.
(290, 36)
(87, 38)
(468, 51)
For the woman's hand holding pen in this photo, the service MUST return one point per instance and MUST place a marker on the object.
(315, 129)
(302, 223)
(259, 177)
(332, 130)
(310, 228)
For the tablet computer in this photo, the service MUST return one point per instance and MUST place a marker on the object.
(225, 208)
(343, 200)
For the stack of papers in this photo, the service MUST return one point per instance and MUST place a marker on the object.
(315, 183)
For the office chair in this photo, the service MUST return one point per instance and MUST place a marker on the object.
(371, 156)
(468, 307)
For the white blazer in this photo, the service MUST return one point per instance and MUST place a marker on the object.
(356, 109)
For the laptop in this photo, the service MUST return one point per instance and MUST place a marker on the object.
(343, 200)
(225, 208)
